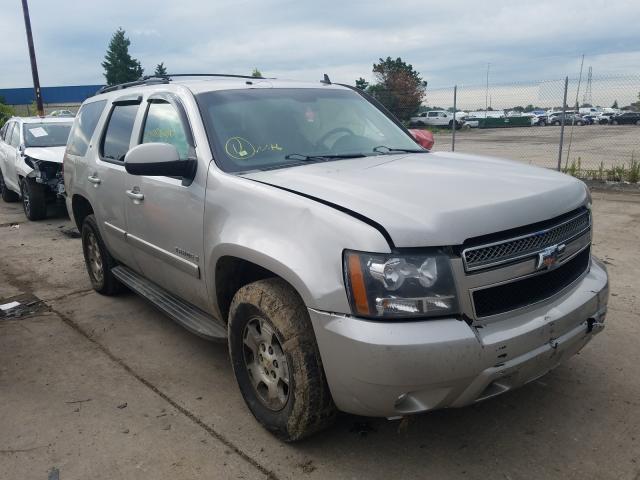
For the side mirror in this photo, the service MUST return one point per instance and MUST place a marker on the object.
(157, 160)
(424, 138)
(21, 148)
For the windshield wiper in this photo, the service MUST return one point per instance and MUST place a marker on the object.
(321, 158)
(404, 150)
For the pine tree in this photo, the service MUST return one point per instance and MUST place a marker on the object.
(119, 66)
(256, 73)
(362, 84)
(161, 70)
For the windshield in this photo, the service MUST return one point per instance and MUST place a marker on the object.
(257, 129)
(46, 134)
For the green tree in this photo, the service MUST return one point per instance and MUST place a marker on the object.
(362, 84)
(256, 73)
(119, 66)
(400, 88)
(161, 70)
(6, 112)
(615, 102)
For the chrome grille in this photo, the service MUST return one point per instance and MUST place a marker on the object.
(489, 255)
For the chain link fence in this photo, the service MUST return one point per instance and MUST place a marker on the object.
(524, 122)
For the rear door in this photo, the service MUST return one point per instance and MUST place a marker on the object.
(7, 130)
(106, 174)
(165, 214)
(11, 155)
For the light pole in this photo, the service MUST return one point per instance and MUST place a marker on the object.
(32, 56)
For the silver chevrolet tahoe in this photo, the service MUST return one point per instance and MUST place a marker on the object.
(347, 267)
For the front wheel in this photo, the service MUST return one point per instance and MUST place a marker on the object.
(98, 260)
(614, 122)
(556, 123)
(276, 360)
(34, 199)
(637, 122)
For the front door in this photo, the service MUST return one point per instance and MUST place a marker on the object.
(165, 214)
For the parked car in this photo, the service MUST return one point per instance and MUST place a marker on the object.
(539, 120)
(626, 118)
(438, 118)
(346, 267)
(570, 119)
(604, 118)
(62, 113)
(31, 152)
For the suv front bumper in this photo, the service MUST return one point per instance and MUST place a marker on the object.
(389, 369)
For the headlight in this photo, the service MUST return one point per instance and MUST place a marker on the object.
(399, 286)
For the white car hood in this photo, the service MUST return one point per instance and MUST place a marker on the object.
(48, 154)
(435, 199)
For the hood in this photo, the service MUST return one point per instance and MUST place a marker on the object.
(48, 154)
(436, 199)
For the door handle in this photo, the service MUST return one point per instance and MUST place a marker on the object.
(93, 179)
(135, 195)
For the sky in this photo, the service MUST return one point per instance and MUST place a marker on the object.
(446, 42)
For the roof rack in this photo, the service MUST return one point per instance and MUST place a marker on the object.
(158, 79)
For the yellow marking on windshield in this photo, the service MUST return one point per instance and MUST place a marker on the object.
(242, 149)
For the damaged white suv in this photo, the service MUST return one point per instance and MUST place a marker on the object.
(347, 267)
(31, 152)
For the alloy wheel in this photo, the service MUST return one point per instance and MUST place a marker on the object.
(26, 201)
(94, 258)
(266, 363)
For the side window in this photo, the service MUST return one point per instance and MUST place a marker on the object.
(433, 114)
(115, 143)
(163, 124)
(14, 140)
(2, 130)
(83, 127)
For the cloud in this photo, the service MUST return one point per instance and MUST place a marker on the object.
(447, 42)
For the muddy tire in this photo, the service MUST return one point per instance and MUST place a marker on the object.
(276, 360)
(7, 195)
(98, 260)
(34, 199)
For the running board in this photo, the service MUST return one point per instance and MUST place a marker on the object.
(187, 315)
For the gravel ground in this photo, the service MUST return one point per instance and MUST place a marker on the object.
(103, 388)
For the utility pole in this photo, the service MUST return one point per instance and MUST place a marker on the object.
(32, 56)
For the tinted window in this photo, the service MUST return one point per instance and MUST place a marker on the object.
(2, 130)
(83, 127)
(46, 134)
(118, 135)
(163, 125)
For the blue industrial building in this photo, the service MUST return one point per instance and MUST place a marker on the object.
(50, 95)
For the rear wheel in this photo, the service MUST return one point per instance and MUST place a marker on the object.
(556, 123)
(579, 124)
(34, 199)
(7, 195)
(637, 122)
(98, 260)
(276, 360)
(614, 122)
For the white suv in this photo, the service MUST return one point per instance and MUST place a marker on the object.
(31, 152)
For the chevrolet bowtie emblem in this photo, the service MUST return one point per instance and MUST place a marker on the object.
(548, 258)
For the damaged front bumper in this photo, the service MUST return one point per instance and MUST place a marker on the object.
(389, 369)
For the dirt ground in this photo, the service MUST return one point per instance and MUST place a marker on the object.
(93, 387)
(610, 144)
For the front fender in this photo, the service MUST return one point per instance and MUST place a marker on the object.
(294, 237)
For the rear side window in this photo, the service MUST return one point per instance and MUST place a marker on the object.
(14, 135)
(117, 137)
(83, 128)
(163, 124)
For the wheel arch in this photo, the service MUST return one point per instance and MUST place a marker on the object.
(81, 207)
(237, 267)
